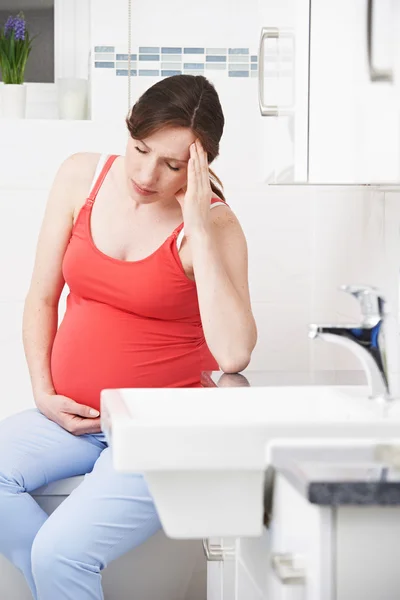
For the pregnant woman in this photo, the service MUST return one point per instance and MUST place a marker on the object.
(156, 266)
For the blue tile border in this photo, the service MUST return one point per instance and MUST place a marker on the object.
(125, 57)
(149, 57)
(215, 58)
(193, 50)
(104, 48)
(104, 65)
(149, 49)
(172, 60)
(149, 72)
(169, 50)
(124, 72)
(169, 73)
(193, 65)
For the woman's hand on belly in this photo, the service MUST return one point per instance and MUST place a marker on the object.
(70, 415)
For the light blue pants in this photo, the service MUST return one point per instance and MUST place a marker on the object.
(107, 515)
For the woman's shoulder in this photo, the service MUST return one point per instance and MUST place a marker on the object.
(76, 175)
(81, 167)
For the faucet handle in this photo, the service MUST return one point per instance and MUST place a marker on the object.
(371, 299)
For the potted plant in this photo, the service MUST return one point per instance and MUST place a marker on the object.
(15, 47)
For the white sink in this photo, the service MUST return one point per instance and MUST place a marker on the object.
(204, 451)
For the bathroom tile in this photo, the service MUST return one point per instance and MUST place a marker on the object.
(238, 67)
(282, 343)
(171, 50)
(348, 248)
(194, 58)
(104, 48)
(221, 51)
(169, 73)
(193, 50)
(149, 57)
(103, 56)
(190, 72)
(124, 72)
(104, 65)
(279, 267)
(149, 73)
(238, 73)
(216, 66)
(193, 66)
(125, 57)
(172, 58)
(214, 59)
(234, 58)
(124, 64)
(166, 66)
(149, 49)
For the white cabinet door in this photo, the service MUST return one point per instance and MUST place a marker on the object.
(302, 532)
(284, 89)
(229, 579)
(246, 588)
(354, 122)
(253, 556)
(221, 568)
(214, 580)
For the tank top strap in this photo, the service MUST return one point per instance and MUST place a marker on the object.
(214, 202)
(103, 166)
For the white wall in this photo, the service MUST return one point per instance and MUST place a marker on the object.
(304, 241)
(208, 24)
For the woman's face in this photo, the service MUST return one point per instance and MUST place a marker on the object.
(158, 163)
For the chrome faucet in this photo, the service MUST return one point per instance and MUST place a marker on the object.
(367, 340)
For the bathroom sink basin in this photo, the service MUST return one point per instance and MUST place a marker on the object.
(204, 451)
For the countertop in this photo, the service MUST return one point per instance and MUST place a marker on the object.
(333, 477)
(249, 378)
(335, 484)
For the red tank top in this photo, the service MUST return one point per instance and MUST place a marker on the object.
(127, 323)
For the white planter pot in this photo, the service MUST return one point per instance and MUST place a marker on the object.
(13, 100)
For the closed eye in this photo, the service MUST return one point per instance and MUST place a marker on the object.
(144, 152)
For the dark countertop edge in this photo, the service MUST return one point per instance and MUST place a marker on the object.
(342, 493)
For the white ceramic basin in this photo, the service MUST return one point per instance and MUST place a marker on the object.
(204, 451)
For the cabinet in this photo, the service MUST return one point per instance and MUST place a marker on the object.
(300, 563)
(333, 91)
(292, 559)
(221, 568)
(283, 88)
(313, 552)
(354, 115)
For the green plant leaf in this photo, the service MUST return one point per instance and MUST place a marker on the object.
(14, 55)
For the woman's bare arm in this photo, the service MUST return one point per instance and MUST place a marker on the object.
(40, 318)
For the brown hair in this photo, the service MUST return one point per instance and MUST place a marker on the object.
(182, 101)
